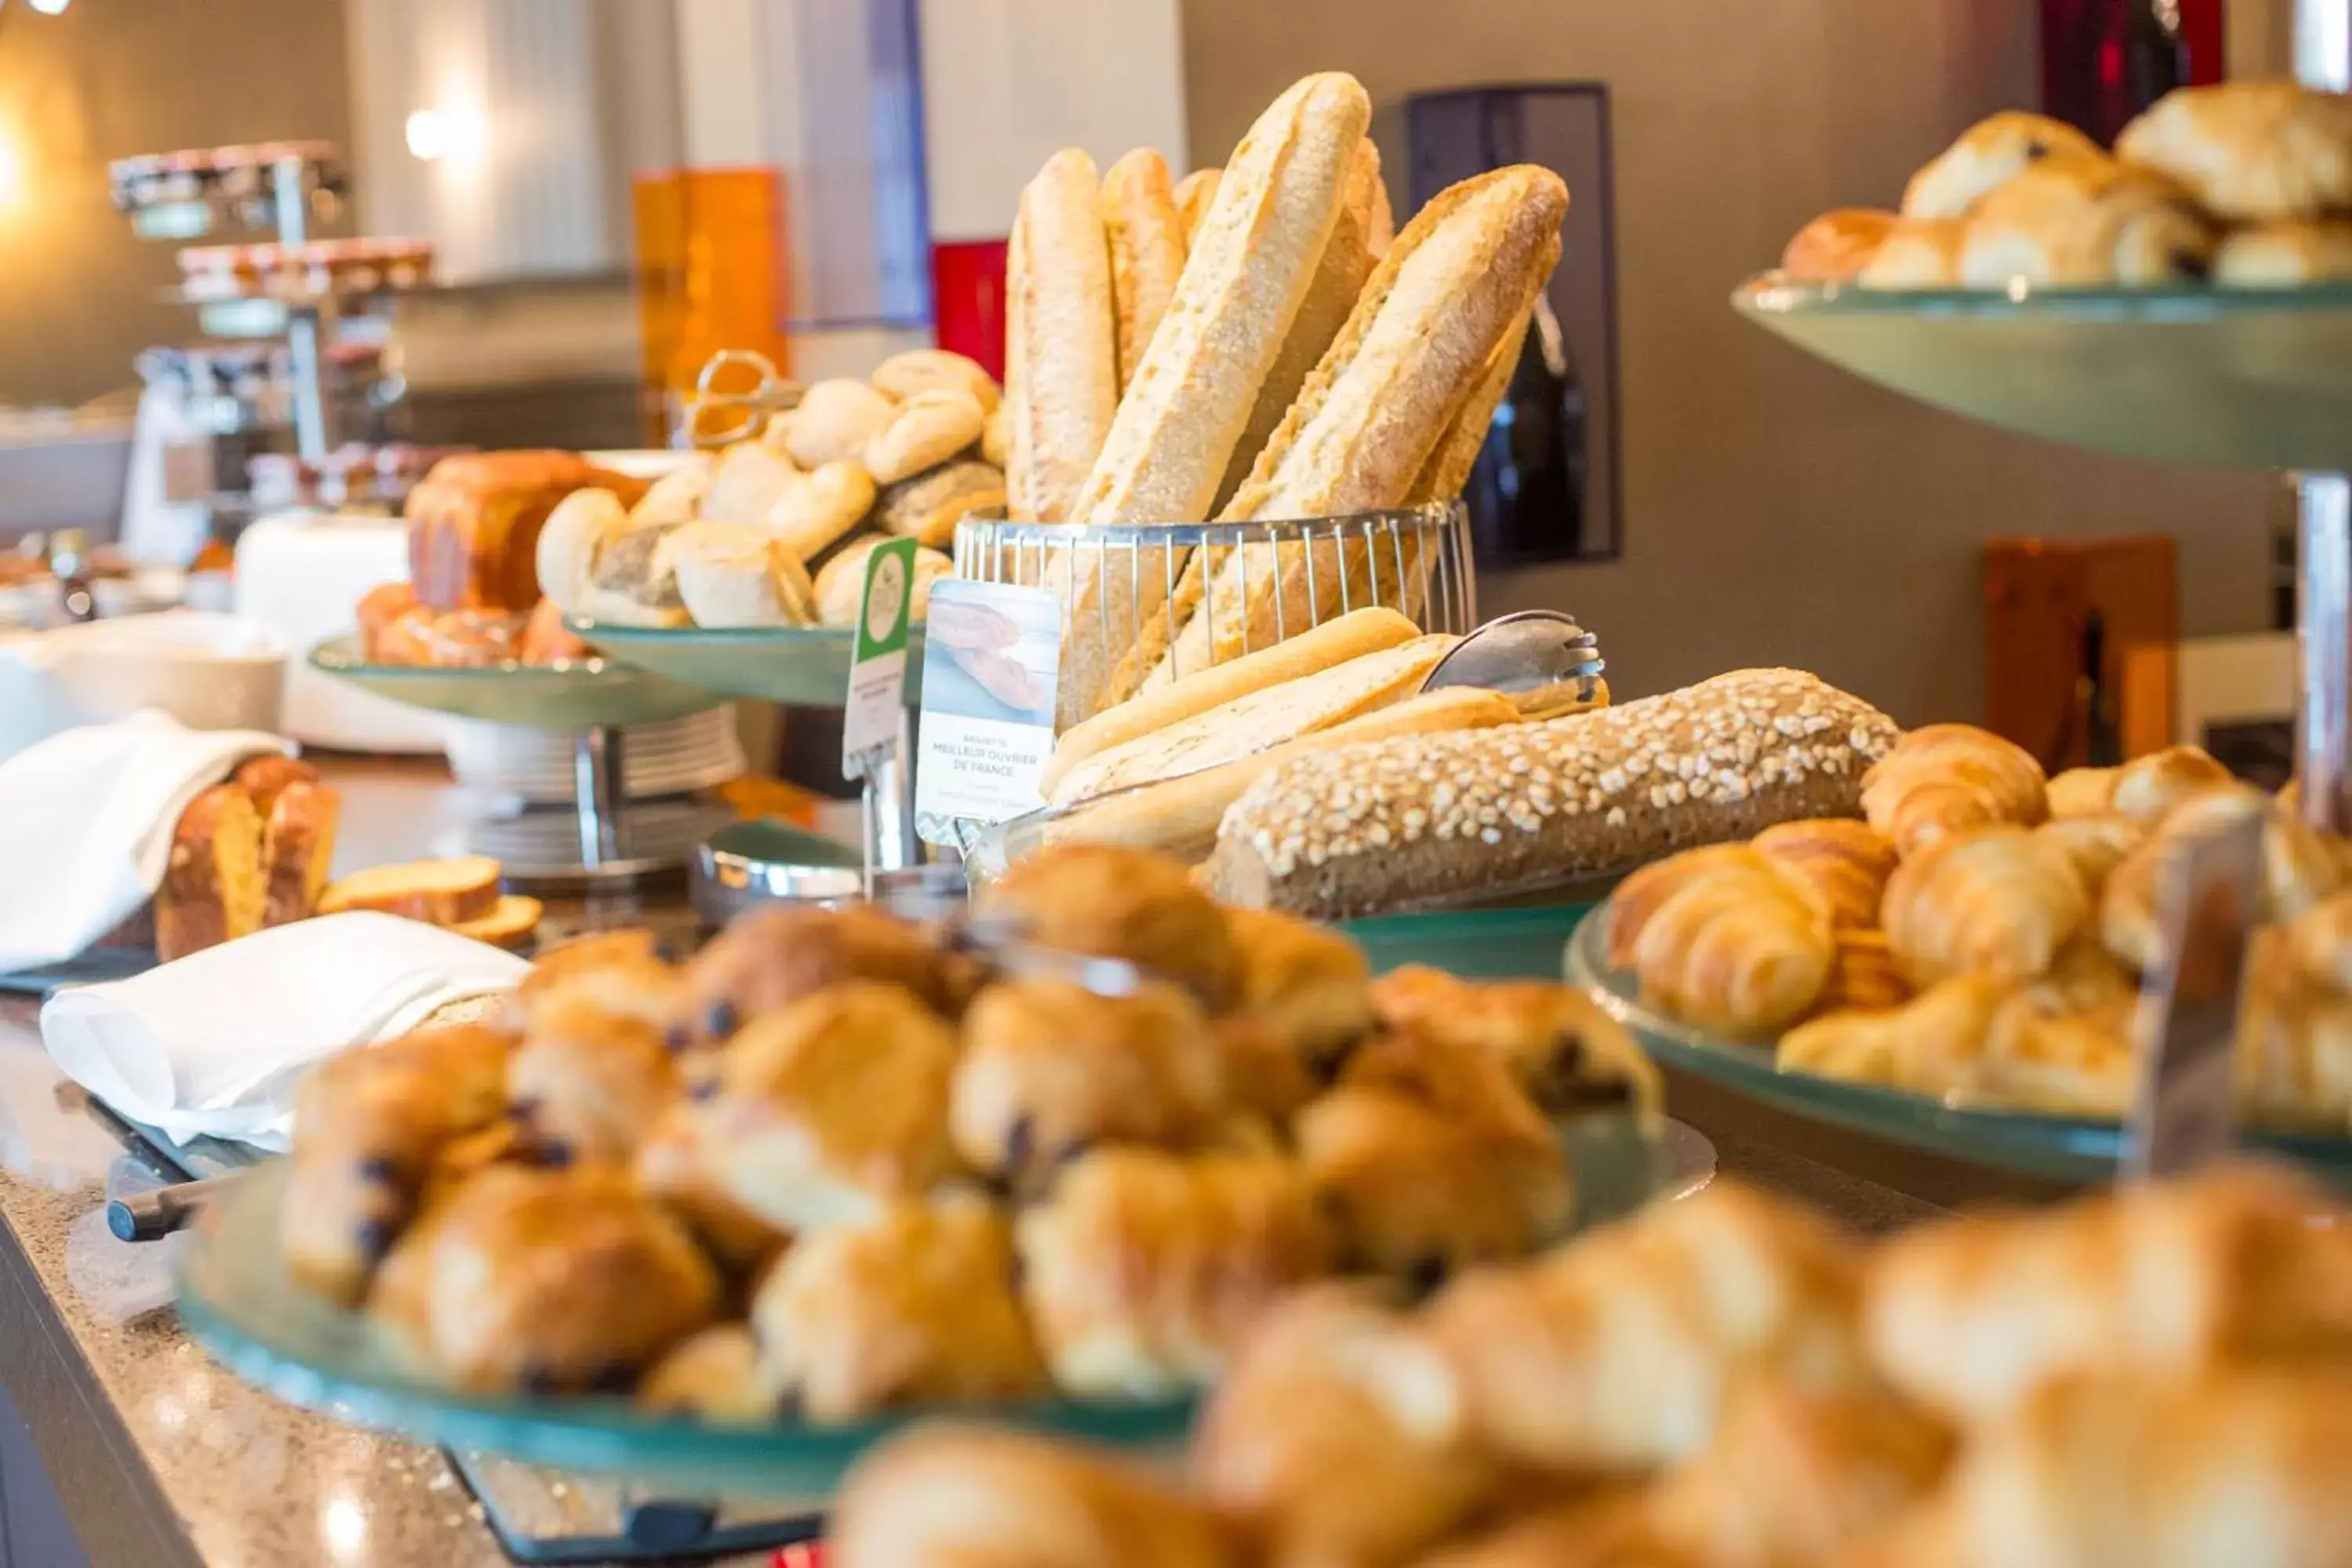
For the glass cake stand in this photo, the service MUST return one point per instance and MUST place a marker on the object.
(594, 699)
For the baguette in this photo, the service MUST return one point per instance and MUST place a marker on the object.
(1334, 642)
(1242, 286)
(1060, 341)
(1195, 194)
(1425, 822)
(1450, 290)
(1179, 816)
(1147, 249)
(1261, 720)
(1339, 274)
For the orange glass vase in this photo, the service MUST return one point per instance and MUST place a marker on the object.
(710, 275)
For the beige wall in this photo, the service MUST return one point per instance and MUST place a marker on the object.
(78, 295)
(1776, 510)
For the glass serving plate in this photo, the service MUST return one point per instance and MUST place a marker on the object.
(2063, 1147)
(578, 695)
(239, 1302)
(800, 667)
(2240, 378)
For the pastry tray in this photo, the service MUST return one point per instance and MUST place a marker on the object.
(2240, 378)
(579, 695)
(799, 667)
(2064, 1148)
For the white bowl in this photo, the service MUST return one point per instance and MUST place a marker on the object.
(208, 671)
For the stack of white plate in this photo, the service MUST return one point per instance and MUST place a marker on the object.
(536, 765)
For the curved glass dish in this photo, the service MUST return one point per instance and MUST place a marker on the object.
(238, 1300)
(802, 667)
(2063, 1147)
(2238, 378)
(571, 696)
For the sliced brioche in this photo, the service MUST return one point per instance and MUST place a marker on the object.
(298, 845)
(445, 893)
(1179, 816)
(213, 889)
(1147, 249)
(1335, 642)
(1187, 405)
(1259, 720)
(1061, 346)
(1454, 285)
(511, 921)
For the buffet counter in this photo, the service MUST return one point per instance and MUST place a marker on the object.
(161, 1457)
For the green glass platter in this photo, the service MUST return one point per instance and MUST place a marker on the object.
(1476, 945)
(2062, 1147)
(577, 695)
(2241, 378)
(802, 667)
(239, 1302)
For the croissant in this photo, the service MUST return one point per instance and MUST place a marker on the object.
(2293, 1062)
(1615, 1352)
(1337, 1438)
(1972, 1040)
(1971, 1317)
(1613, 1530)
(2301, 866)
(1846, 862)
(2080, 792)
(1862, 977)
(1794, 1476)
(2244, 1468)
(1735, 945)
(1637, 898)
(1945, 777)
(2093, 845)
(949, 1496)
(1992, 900)
(2146, 789)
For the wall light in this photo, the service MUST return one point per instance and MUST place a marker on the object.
(429, 135)
(50, 7)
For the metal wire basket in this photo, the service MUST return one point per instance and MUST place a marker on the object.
(1146, 604)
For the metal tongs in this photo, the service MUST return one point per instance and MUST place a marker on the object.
(1541, 659)
(999, 940)
(742, 414)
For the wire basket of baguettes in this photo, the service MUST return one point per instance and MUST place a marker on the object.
(1148, 604)
(1251, 346)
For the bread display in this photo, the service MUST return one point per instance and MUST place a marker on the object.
(250, 852)
(773, 533)
(1709, 1385)
(1427, 820)
(912, 1172)
(2242, 183)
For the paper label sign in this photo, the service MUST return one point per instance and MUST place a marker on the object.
(877, 668)
(991, 659)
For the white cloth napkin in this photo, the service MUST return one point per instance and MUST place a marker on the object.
(212, 1045)
(86, 821)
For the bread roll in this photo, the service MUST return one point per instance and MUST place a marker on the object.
(928, 506)
(1147, 249)
(730, 574)
(745, 482)
(902, 376)
(833, 422)
(2083, 224)
(1918, 253)
(1061, 346)
(567, 544)
(2250, 151)
(815, 512)
(1986, 155)
(1454, 285)
(1428, 821)
(2287, 255)
(1249, 271)
(1835, 247)
(925, 430)
(1359, 632)
(842, 583)
(676, 496)
(1195, 194)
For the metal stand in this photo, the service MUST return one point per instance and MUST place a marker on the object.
(308, 325)
(600, 787)
(2322, 58)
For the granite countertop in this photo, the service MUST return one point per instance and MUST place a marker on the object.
(162, 1458)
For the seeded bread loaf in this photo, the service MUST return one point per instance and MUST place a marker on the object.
(1427, 821)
